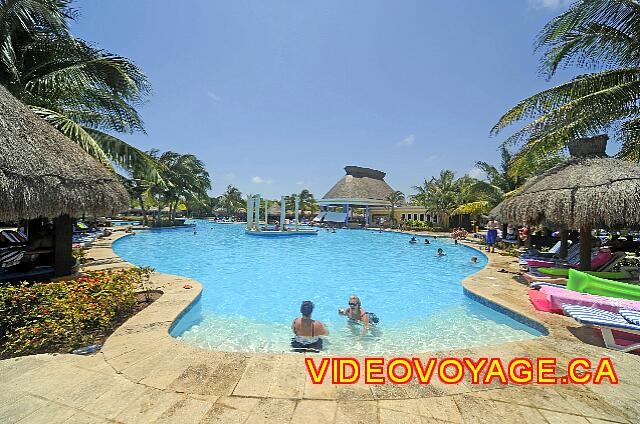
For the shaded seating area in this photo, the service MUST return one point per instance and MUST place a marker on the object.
(46, 183)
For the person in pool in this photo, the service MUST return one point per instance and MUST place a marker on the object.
(441, 252)
(426, 241)
(307, 331)
(413, 240)
(474, 259)
(356, 314)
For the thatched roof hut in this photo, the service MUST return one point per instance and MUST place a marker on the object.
(44, 174)
(360, 183)
(588, 190)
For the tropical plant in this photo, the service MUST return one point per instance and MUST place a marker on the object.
(83, 91)
(395, 198)
(592, 34)
(307, 201)
(231, 200)
(442, 195)
(184, 177)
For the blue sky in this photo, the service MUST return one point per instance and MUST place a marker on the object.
(276, 96)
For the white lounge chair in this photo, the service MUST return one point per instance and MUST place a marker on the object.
(607, 321)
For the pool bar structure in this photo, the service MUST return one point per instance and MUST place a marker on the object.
(253, 220)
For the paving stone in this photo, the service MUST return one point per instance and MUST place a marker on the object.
(388, 416)
(314, 411)
(272, 411)
(22, 407)
(477, 410)
(50, 413)
(220, 414)
(148, 407)
(245, 404)
(440, 408)
(560, 418)
(185, 410)
(356, 412)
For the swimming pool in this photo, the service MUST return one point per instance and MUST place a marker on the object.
(253, 288)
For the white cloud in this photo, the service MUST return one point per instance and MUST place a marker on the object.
(260, 180)
(549, 4)
(475, 173)
(229, 176)
(432, 158)
(213, 96)
(408, 140)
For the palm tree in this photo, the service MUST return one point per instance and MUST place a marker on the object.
(394, 198)
(85, 92)
(184, 178)
(602, 34)
(231, 200)
(441, 195)
(307, 201)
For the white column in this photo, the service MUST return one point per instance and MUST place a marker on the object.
(297, 206)
(249, 212)
(283, 211)
(257, 199)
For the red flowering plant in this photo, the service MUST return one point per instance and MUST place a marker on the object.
(64, 315)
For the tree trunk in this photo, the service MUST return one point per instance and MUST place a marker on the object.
(63, 260)
(564, 243)
(585, 248)
(144, 211)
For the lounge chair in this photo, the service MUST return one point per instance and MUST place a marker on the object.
(607, 322)
(573, 254)
(10, 256)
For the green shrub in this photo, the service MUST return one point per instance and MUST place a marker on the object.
(64, 315)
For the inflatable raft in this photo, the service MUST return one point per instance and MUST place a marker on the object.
(585, 283)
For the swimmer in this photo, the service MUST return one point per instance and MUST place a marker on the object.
(355, 313)
(426, 241)
(307, 331)
(413, 240)
(441, 252)
(474, 260)
(333, 230)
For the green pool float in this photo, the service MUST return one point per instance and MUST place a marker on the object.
(564, 272)
(585, 283)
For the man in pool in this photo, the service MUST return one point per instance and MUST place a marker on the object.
(356, 314)
(307, 331)
(440, 252)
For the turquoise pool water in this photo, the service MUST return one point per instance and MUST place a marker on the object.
(253, 287)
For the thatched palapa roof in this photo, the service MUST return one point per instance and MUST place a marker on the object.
(588, 189)
(360, 183)
(44, 174)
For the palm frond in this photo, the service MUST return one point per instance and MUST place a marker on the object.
(599, 33)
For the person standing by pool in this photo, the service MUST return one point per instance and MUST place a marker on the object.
(492, 234)
(355, 313)
(307, 331)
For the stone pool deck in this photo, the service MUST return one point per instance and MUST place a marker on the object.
(142, 375)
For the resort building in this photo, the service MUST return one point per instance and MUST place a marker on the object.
(360, 198)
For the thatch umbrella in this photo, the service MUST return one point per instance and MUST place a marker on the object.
(590, 190)
(43, 174)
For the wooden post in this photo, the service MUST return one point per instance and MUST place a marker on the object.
(585, 248)
(63, 260)
(564, 243)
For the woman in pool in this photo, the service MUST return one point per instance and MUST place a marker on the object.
(307, 331)
(426, 241)
(356, 314)
(413, 240)
(441, 252)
